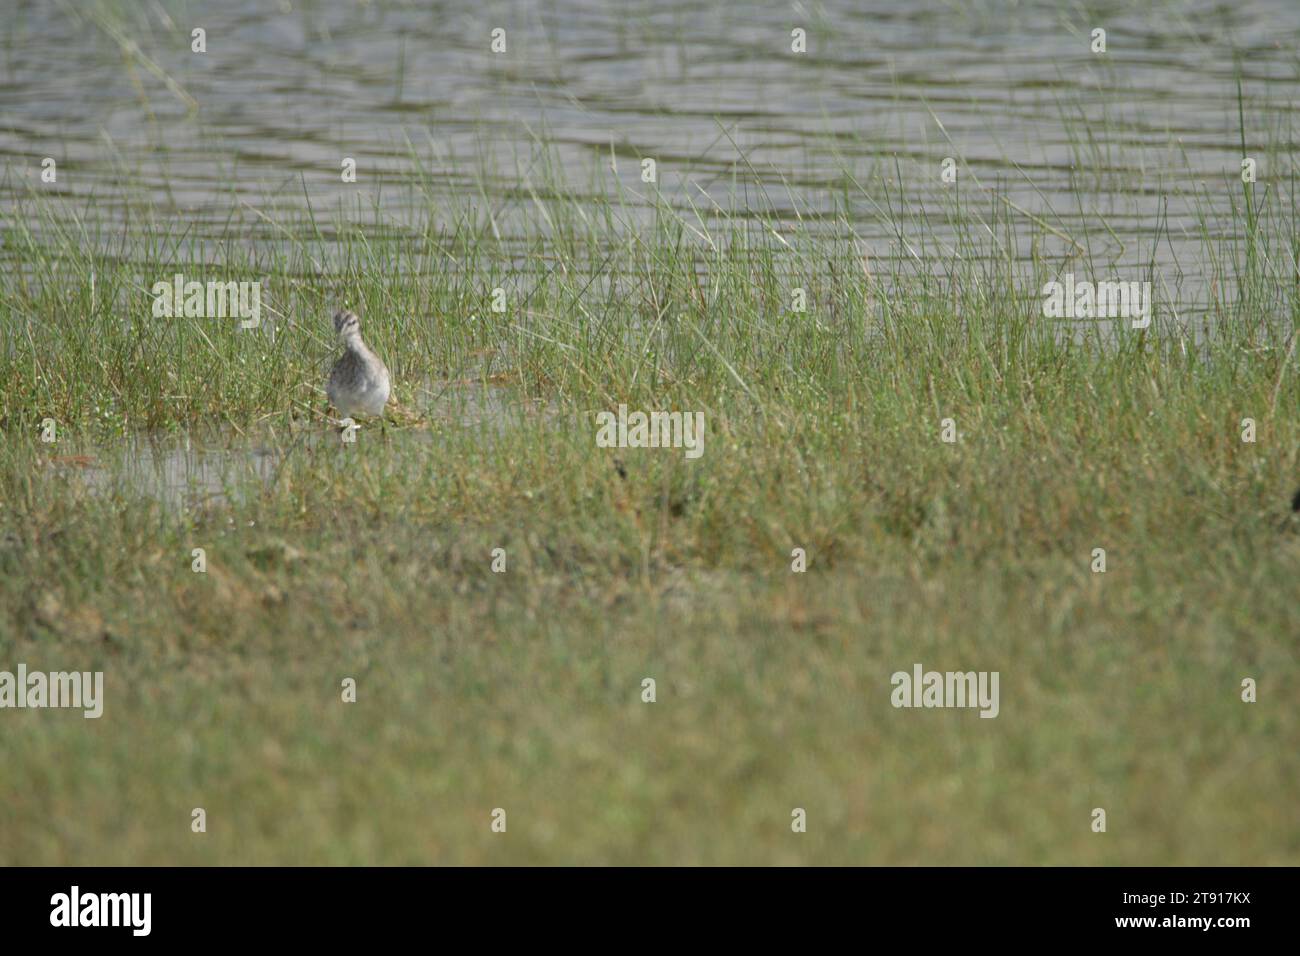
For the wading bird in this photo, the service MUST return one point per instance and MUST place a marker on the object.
(358, 383)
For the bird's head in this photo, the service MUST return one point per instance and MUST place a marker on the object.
(346, 324)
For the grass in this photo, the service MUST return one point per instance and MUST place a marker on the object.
(522, 690)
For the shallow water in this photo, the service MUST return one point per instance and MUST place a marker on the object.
(184, 471)
(211, 466)
(1144, 137)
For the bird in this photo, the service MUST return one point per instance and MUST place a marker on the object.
(358, 382)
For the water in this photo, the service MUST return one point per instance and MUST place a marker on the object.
(191, 472)
(1133, 154)
(215, 466)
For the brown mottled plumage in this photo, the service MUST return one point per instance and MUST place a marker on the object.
(358, 383)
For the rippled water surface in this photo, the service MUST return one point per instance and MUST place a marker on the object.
(1132, 155)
